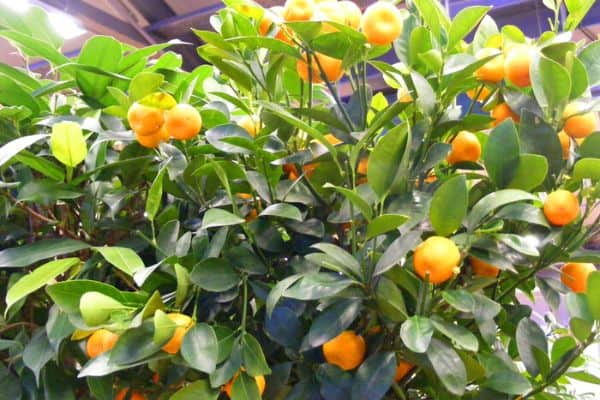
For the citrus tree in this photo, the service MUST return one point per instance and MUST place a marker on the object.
(270, 226)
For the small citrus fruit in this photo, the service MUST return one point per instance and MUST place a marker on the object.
(347, 350)
(436, 258)
(561, 207)
(575, 275)
(483, 93)
(298, 10)
(332, 68)
(381, 23)
(352, 13)
(516, 65)
(183, 122)
(291, 171)
(481, 268)
(260, 382)
(145, 120)
(150, 141)
(184, 324)
(579, 125)
(565, 143)
(363, 166)
(501, 112)
(465, 147)
(251, 216)
(250, 125)
(493, 70)
(133, 395)
(402, 369)
(100, 341)
(264, 26)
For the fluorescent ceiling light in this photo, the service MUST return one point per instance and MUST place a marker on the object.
(65, 25)
(19, 6)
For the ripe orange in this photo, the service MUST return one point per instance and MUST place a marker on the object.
(347, 350)
(184, 324)
(99, 342)
(561, 207)
(501, 112)
(150, 141)
(436, 258)
(298, 10)
(244, 196)
(381, 23)
(403, 369)
(481, 268)
(332, 139)
(332, 68)
(133, 394)
(145, 120)
(260, 382)
(483, 94)
(250, 125)
(493, 70)
(404, 95)
(183, 122)
(264, 26)
(363, 166)
(516, 65)
(329, 11)
(309, 169)
(465, 147)
(352, 13)
(565, 143)
(579, 126)
(251, 216)
(291, 171)
(575, 275)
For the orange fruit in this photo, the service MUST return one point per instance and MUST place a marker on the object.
(244, 196)
(352, 13)
(481, 268)
(298, 10)
(99, 342)
(565, 143)
(374, 330)
(363, 166)
(260, 382)
(332, 139)
(483, 94)
(150, 141)
(561, 207)
(291, 171)
(133, 394)
(309, 169)
(347, 350)
(332, 68)
(465, 147)
(184, 324)
(436, 258)
(581, 125)
(403, 369)
(264, 26)
(493, 70)
(183, 122)
(251, 216)
(404, 95)
(329, 11)
(575, 275)
(145, 120)
(250, 125)
(501, 112)
(381, 23)
(516, 65)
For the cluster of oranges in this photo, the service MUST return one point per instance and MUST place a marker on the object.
(153, 125)
(381, 24)
(348, 350)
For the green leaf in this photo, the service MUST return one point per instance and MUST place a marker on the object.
(14, 147)
(383, 224)
(538, 137)
(448, 366)
(593, 294)
(529, 336)
(275, 45)
(216, 217)
(214, 275)
(200, 348)
(154, 199)
(449, 205)
(590, 57)
(587, 168)
(551, 84)
(385, 162)
(390, 300)
(12, 94)
(341, 257)
(47, 192)
(37, 353)
(374, 377)
(416, 333)
(104, 53)
(29, 254)
(396, 251)
(590, 148)
(199, 389)
(317, 285)
(577, 11)
(523, 212)
(331, 322)
(35, 47)
(163, 327)
(530, 173)
(519, 243)
(492, 201)
(123, 258)
(41, 165)
(135, 345)
(355, 198)
(160, 100)
(501, 155)
(67, 143)
(460, 336)
(583, 376)
(581, 328)
(245, 388)
(508, 381)
(433, 15)
(183, 282)
(144, 84)
(40, 277)
(277, 292)
(253, 357)
(464, 22)
(283, 210)
(97, 308)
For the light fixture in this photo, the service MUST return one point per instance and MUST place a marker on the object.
(65, 25)
(18, 6)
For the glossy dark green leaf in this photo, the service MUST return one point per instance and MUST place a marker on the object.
(530, 173)
(215, 217)
(374, 377)
(383, 224)
(538, 137)
(416, 333)
(529, 335)
(14, 147)
(390, 300)
(492, 201)
(590, 57)
(37, 353)
(508, 382)
(199, 389)
(523, 212)
(449, 205)
(200, 348)
(460, 336)
(464, 22)
(317, 285)
(331, 322)
(355, 198)
(384, 169)
(590, 148)
(245, 388)
(28, 254)
(253, 357)
(501, 154)
(341, 258)
(282, 210)
(123, 258)
(215, 275)
(135, 345)
(593, 294)
(396, 251)
(448, 366)
(587, 168)
(47, 192)
(153, 201)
